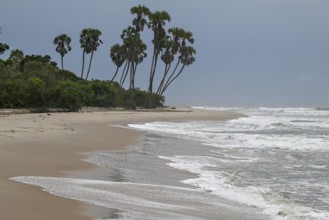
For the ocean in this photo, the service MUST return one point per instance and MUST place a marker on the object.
(272, 164)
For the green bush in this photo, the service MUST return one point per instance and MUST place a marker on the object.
(36, 82)
(13, 94)
(66, 94)
(142, 99)
(36, 92)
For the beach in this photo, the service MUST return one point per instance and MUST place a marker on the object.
(52, 145)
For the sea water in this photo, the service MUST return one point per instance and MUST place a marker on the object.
(272, 163)
(276, 159)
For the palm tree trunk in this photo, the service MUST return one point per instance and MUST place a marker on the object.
(62, 62)
(116, 72)
(163, 78)
(124, 70)
(125, 75)
(155, 65)
(133, 76)
(168, 84)
(83, 63)
(153, 68)
(91, 59)
(171, 75)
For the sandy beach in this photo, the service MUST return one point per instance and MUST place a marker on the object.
(52, 145)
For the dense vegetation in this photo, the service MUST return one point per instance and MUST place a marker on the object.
(35, 81)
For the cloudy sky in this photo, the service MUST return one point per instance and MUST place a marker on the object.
(249, 52)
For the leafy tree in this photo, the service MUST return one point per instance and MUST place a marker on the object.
(38, 66)
(62, 43)
(157, 21)
(89, 42)
(66, 94)
(13, 94)
(142, 99)
(36, 92)
(16, 55)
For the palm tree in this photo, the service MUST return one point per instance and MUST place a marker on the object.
(167, 57)
(3, 48)
(178, 45)
(127, 37)
(157, 22)
(89, 41)
(133, 49)
(139, 21)
(139, 53)
(63, 46)
(118, 57)
(138, 47)
(84, 46)
(186, 58)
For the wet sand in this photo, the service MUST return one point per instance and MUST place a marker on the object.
(52, 145)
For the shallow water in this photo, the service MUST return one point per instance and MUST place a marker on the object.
(273, 164)
(275, 159)
(140, 185)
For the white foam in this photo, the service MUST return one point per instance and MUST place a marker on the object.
(287, 128)
(136, 201)
(218, 183)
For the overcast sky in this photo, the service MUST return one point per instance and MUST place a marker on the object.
(249, 52)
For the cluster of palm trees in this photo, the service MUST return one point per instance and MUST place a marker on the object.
(89, 42)
(172, 46)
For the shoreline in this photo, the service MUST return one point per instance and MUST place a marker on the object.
(51, 144)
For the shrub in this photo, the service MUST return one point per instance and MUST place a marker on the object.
(66, 94)
(35, 92)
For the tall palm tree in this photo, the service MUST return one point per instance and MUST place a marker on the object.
(63, 46)
(157, 21)
(118, 57)
(186, 58)
(134, 51)
(178, 45)
(138, 52)
(127, 36)
(84, 46)
(140, 20)
(167, 57)
(89, 42)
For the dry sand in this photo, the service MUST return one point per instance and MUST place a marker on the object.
(51, 145)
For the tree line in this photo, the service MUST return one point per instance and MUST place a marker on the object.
(172, 46)
(36, 81)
